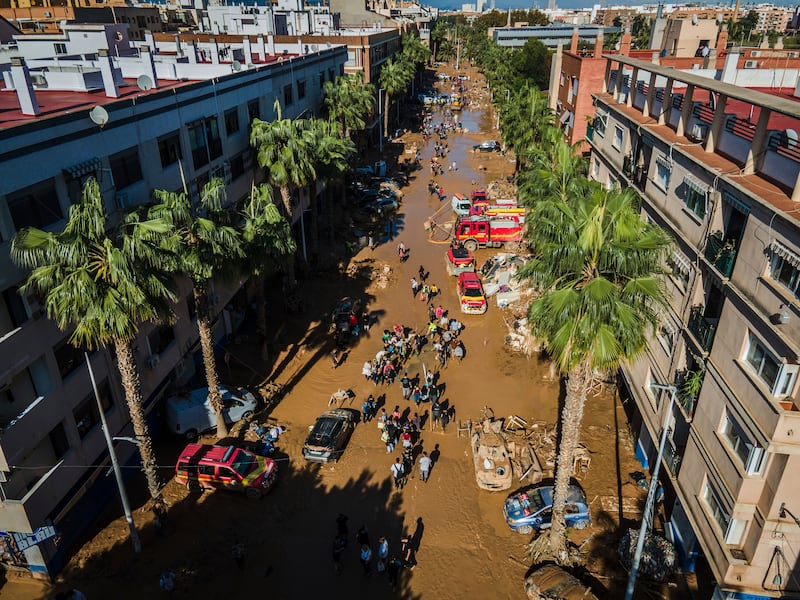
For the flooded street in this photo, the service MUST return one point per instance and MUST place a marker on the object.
(464, 548)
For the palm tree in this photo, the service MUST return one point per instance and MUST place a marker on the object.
(102, 284)
(556, 171)
(203, 241)
(394, 78)
(329, 155)
(266, 243)
(527, 123)
(349, 102)
(414, 53)
(598, 268)
(283, 154)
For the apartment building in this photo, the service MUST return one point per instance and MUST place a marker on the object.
(137, 121)
(717, 166)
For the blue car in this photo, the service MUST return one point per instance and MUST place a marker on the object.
(531, 509)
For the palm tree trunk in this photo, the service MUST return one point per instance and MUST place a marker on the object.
(286, 196)
(571, 418)
(386, 115)
(133, 396)
(209, 362)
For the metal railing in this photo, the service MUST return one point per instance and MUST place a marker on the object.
(701, 328)
(721, 254)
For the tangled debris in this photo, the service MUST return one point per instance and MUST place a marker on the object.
(658, 555)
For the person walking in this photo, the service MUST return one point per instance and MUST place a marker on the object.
(436, 414)
(366, 559)
(362, 537)
(445, 420)
(414, 287)
(397, 473)
(416, 395)
(365, 411)
(393, 571)
(405, 382)
(407, 553)
(424, 467)
(339, 543)
(383, 554)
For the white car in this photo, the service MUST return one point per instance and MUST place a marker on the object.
(190, 414)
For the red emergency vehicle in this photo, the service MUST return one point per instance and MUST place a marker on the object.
(484, 232)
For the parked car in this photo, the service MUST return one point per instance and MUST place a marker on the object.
(227, 468)
(328, 436)
(459, 260)
(551, 581)
(470, 294)
(488, 146)
(344, 308)
(531, 509)
(463, 77)
(190, 414)
(386, 204)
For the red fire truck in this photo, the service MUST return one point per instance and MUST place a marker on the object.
(482, 232)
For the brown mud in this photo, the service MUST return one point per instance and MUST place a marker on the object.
(464, 548)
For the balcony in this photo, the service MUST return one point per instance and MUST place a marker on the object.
(701, 328)
(590, 132)
(721, 253)
(689, 383)
(672, 458)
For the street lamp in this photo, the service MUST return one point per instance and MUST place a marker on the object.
(783, 511)
(651, 492)
(137, 545)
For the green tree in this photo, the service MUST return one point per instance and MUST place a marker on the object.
(532, 63)
(394, 78)
(598, 269)
(203, 241)
(266, 243)
(102, 284)
(640, 30)
(283, 153)
(557, 171)
(438, 35)
(350, 102)
(527, 122)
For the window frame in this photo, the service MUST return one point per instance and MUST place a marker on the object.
(619, 138)
(231, 118)
(751, 456)
(88, 408)
(716, 508)
(126, 167)
(39, 200)
(778, 264)
(696, 203)
(662, 176)
(301, 89)
(288, 95)
(756, 355)
(169, 148)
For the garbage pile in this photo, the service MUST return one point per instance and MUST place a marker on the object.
(379, 273)
(501, 189)
(658, 555)
(519, 337)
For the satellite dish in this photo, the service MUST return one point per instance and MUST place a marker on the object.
(98, 115)
(236, 66)
(144, 82)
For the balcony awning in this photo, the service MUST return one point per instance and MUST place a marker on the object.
(564, 117)
(695, 184)
(785, 253)
(664, 161)
(681, 261)
(85, 168)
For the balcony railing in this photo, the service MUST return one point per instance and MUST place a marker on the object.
(702, 329)
(721, 253)
(589, 132)
(672, 458)
(687, 394)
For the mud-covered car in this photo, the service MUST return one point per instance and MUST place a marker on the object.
(459, 260)
(488, 146)
(347, 306)
(531, 509)
(328, 437)
(551, 582)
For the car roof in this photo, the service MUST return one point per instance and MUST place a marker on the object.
(575, 495)
(195, 397)
(468, 278)
(196, 453)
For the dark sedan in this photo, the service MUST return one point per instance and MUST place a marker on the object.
(329, 435)
(488, 146)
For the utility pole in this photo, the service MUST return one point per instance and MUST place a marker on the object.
(651, 492)
(123, 496)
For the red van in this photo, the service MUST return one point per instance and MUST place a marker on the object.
(225, 467)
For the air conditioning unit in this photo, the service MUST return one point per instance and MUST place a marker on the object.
(751, 64)
(153, 360)
(755, 53)
(180, 369)
(699, 131)
(122, 199)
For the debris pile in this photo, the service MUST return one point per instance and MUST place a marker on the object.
(658, 555)
(379, 273)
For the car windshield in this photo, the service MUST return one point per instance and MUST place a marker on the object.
(324, 432)
(244, 463)
(532, 498)
(473, 292)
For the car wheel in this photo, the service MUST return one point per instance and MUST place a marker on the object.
(581, 525)
(471, 245)
(252, 493)
(190, 435)
(525, 530)
(248, 415)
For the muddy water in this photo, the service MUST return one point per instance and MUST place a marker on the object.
(464, 547)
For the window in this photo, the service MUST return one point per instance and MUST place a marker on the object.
(663, 172)
(86, 413)
(600, 123)
(330, 75)
(696, 196)
(716, 508)
(159, 339)
(204, 141)
(779, 378)
(15, 308)
(231, 121)
(237, 166)
(68, 358)
(35, 206)
(58, 440)
(169, 148)
(321, 79)
(301, 89)
(785, 269)
(596, 169)
(681, 269)
(751, 456)
(618, 137)
(253, 110)
(287, 95)
(60, 48)
(126, 168)
(666, 335)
